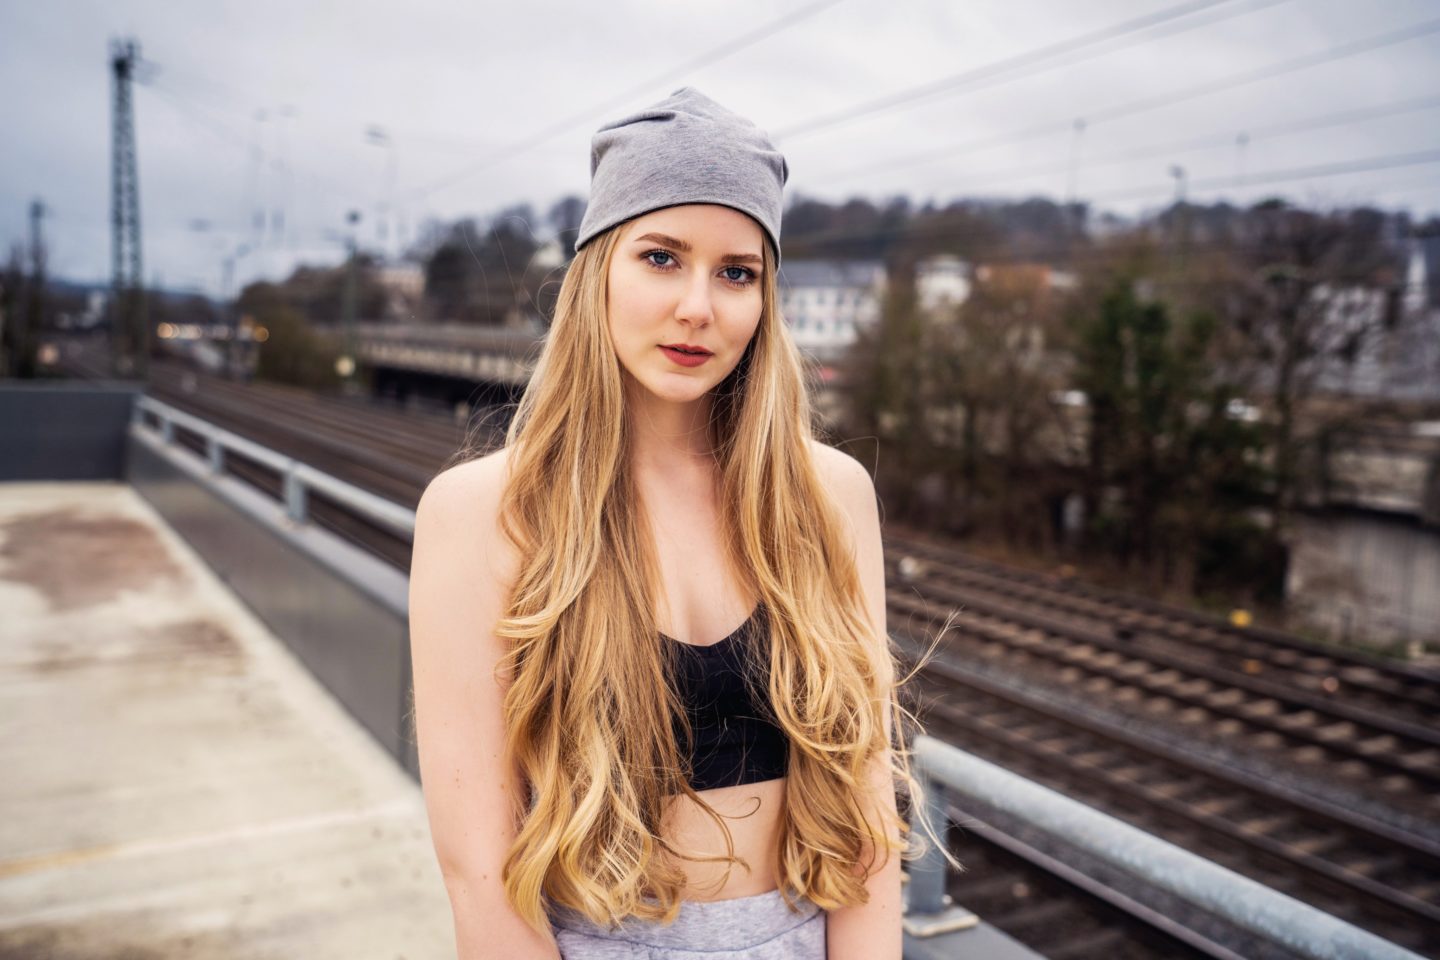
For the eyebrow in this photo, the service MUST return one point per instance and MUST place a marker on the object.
(684, 247)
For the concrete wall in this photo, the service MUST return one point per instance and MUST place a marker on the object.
(64, 429)
(342, 611)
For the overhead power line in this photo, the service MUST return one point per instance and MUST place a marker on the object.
(1035, 61)
(599, 109)
(1366, 45)
(1209, 141)
(222, 130)
(1145, 104)
(1383, 162)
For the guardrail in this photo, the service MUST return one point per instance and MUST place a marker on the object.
(947, 772)
(299, 479)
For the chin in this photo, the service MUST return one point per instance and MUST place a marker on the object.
(679, 393)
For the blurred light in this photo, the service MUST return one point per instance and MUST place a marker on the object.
(1238, 409)
(48, 354)
(165, 331)
(260, 335)
(344, 366)
(1241, 618)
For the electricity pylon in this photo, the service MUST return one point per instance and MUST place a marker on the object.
(130, 330)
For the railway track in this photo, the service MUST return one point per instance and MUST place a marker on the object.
(1315, 710)
(1377, 876)
(1336, 674)
(1207, 692)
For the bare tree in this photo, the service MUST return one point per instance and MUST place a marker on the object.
(1311, 291)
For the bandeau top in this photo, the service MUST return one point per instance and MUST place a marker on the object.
(723, 689)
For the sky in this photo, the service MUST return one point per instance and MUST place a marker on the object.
(302, 112)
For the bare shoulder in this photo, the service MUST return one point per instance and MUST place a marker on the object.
(457, 488)
(849, 483)
(846, 478)
(458, 514)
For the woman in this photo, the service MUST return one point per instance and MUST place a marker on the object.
(612, 767)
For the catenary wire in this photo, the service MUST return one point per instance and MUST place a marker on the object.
(1034, 61)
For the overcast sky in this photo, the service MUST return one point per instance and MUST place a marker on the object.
(488, 104)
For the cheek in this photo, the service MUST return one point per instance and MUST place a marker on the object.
(634, 305)
(746, 321)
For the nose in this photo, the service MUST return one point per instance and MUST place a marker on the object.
(694, 306)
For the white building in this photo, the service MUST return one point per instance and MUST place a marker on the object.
(1378, 341)
(942, 282)
(827, 302)
(404, 285)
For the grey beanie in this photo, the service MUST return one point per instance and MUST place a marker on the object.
(684, 149)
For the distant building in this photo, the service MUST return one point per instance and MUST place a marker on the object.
(1042, 275)
(827, 302)
(942, 282)
(404, 286)
(1394, 334)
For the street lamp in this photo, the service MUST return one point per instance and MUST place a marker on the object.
(346, 365)
(232, 349)
(376, 135)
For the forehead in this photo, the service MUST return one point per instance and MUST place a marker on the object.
(709, 227)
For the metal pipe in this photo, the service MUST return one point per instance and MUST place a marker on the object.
(299, 478)
(1252, 906)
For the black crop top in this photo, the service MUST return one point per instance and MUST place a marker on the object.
(736, 738)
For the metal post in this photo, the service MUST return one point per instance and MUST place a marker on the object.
(927, 875)
(929, 911)
(296, 499)
(215, 453)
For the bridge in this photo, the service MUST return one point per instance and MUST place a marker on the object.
(1382, 464)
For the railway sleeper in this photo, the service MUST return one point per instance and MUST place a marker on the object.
(1221, 805)
(1374, 866)
(1336, 731)
(1266, 825)
(1318, 844)
(1035, 913)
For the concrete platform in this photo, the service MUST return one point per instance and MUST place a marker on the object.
(175, 783)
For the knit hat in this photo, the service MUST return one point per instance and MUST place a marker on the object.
(685, 149)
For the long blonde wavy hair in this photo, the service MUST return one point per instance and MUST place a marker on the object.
(589, 706)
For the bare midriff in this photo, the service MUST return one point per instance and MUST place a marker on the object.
(752, 812)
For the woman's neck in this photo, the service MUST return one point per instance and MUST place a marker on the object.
(670, 439)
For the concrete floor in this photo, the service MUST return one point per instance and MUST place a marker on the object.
(175, 783)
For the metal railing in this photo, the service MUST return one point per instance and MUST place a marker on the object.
(946, 772)
(949, 773)
(298, 479)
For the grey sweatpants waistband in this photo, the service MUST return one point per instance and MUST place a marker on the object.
(761, 927)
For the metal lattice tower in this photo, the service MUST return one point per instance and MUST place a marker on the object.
(129, 327)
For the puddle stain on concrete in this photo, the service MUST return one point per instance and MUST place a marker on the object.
(98, 941)
(197, 644)
(48, 551)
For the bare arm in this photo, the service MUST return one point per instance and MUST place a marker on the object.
(458, 577)
(869, 931)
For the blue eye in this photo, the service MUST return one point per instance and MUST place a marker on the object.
(745, 279)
